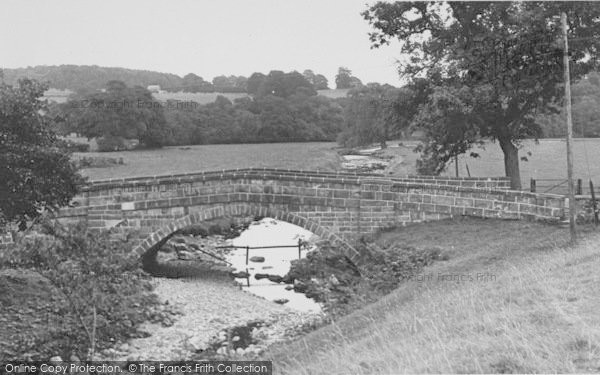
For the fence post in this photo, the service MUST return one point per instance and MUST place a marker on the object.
(594, 207)
(532, 185)
(579, 187)
(299, 248)
(247, 254)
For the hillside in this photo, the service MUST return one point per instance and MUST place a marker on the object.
(64, 79)
(532, 306)
(86, 77)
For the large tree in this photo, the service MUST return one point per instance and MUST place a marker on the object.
(345, 80)
(120, 112)
(496, 65)
(35, 172)
(375, 113)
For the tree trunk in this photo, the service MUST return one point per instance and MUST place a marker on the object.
(511, 163)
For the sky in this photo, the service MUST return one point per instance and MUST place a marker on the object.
(208, 38)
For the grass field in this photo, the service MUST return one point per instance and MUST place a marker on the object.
(184, 159)
(527, 303)
(548, 160)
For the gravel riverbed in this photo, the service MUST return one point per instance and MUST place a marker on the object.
(207, 308)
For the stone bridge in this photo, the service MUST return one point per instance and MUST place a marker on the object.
(338, 207)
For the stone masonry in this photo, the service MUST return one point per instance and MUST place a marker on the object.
(336, 206)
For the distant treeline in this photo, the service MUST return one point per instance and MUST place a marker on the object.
(283, 107)
(84, 79)
(585, 98)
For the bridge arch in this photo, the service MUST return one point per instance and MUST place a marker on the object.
(245, 210)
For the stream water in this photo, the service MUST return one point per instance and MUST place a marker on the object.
(271, 232)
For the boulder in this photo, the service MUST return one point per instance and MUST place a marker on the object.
(281, 301)
(240, 275)
(257, 259)
(275, 278)
(287, 279)
(300, 287)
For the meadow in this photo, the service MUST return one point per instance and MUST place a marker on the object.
(184, 159)
(548, 160)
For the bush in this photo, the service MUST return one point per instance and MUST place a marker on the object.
(71, 146)
(99, 295)
(110, 143)
(332, 279)
(98, 162)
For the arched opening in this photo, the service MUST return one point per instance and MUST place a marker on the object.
(275, 239)
(161, 235)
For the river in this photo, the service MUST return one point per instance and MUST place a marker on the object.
(277, 261)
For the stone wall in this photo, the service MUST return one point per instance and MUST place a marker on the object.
(338, 206)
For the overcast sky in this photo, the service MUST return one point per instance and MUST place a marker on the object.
(208, 38)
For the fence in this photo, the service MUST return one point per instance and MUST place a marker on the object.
(554, 186)
(248, 248)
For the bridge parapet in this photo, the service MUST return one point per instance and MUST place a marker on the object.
(340, 205)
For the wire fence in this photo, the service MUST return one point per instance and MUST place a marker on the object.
(248, 248)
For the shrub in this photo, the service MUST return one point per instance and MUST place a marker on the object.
(329, 277)
(111, 143)
(99, 294)
(71, 146)
(98, 162)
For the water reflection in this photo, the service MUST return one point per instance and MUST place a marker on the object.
(271, 232)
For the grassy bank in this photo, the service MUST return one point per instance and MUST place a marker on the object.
(526, 303)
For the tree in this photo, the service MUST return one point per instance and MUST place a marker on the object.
(35, 172)
(345, 80)
(318, 81)
(278, 83)
(193, 83)
(509, 52)
(376, 113)
(120, 112)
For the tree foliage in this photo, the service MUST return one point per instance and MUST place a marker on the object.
(375, 113)
(586, 111)
(120, 112)
(35, 171)
(278, 83)
(97, 294)
(298, 118)
(506, 54)
(345, 80)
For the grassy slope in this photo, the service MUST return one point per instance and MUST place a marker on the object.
(540, 314)
(169, 160)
